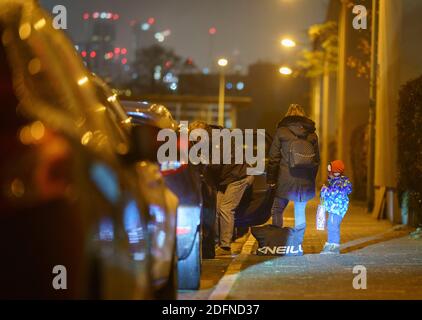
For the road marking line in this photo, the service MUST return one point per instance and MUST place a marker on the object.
(225, 284)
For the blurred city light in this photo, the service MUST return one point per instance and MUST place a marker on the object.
(82, 81)
(145, 26)
(112, 98)
(240, 86)
(229, 86)
(169, 77)
(93, 54)
(123, 51)
(124, 61)
(34, 66)
(157, 73)
(212, 31)
(37, 130)
(159, 36)
(86, 16)
(25, 31)
(151, 21)
(285, 71)
(39, 24)
(223, 62)
(288, 43)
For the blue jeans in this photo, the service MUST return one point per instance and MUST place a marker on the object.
(278, 207)
(333, 228)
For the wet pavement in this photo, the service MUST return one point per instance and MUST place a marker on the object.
(392, 260)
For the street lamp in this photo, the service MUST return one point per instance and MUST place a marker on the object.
(288, 43)
(222, 63)
(286, 71)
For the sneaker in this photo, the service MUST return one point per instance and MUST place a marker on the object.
(331, 248)
(223, 251)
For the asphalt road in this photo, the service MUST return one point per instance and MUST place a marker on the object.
(392, 264)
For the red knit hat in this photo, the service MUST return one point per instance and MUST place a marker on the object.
(337, 166)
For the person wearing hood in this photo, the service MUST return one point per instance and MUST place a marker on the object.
(293, 165)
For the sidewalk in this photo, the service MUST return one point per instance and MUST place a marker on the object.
(357, 229)
(393, 262)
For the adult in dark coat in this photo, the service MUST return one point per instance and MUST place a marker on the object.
(231, 181)
(293, 184)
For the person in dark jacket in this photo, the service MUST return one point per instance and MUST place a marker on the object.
(292, 184)
(231, 181)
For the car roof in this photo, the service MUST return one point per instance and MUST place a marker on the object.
(142, 112)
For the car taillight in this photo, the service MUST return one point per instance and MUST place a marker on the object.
(172, 167)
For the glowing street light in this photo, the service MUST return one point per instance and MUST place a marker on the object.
(288, 43)
(223, 62)
(286, 71)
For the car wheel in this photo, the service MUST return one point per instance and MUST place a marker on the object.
(190, 268)
(169, 290)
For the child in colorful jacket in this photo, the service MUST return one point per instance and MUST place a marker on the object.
(335, 198)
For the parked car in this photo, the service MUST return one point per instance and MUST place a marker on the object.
(196, 190)
(76, 213)
(184, 180)
(161, 201)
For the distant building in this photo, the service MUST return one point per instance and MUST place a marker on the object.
(144, 33)
(99, 50)
(270, 93)
(208, 84)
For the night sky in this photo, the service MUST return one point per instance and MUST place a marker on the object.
(247, 29)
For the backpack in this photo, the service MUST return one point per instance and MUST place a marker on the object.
(278, 241)
(302, 153)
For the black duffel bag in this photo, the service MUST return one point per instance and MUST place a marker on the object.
(277, 241)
